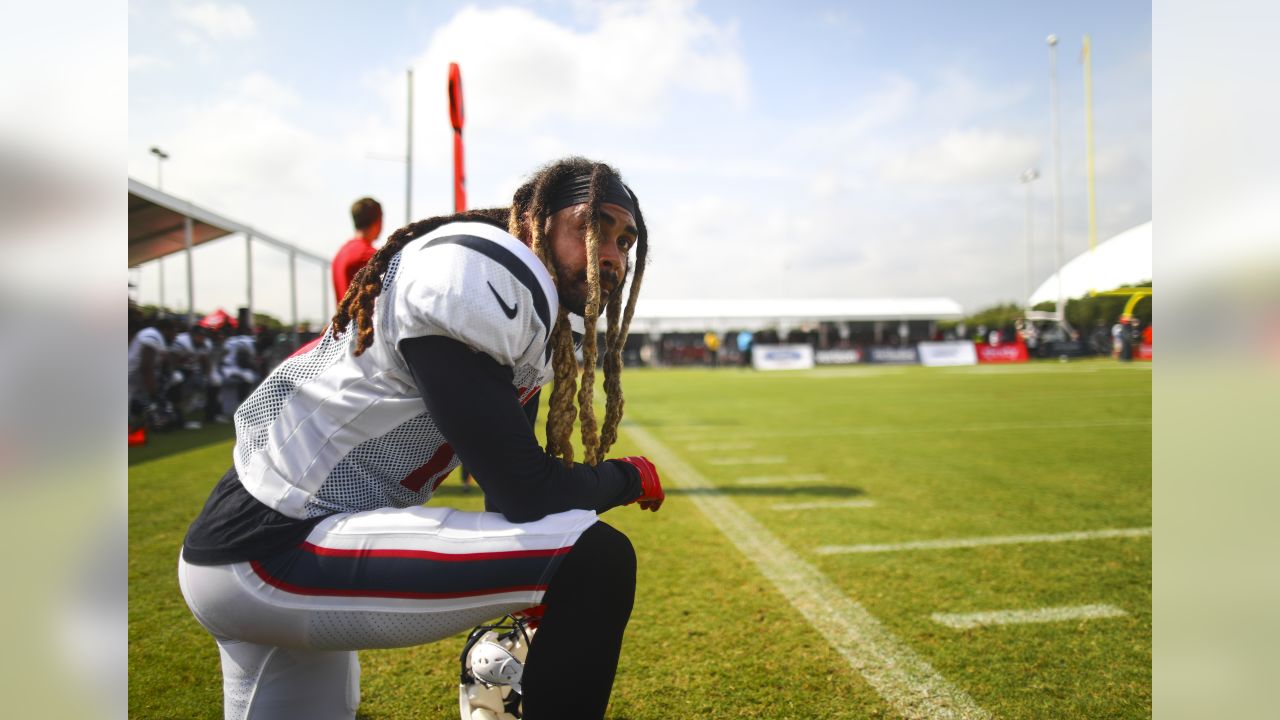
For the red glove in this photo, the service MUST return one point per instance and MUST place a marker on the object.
(651, 495)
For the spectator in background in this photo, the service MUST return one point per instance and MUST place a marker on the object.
(1117, 338)
(744, 347)
(712, 341)
(148, 352)
(191, 358)
(366, 215)
(273, 347)
(238, 370)
(213, 388)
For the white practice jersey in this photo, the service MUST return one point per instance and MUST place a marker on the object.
(328, 431)
(146, 337)
(191, 354)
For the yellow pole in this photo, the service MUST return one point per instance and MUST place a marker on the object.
(1135, 299)
(1088, 135)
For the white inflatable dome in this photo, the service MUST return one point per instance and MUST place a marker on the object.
(1123, 260)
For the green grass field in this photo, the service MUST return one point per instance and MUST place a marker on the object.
(1026, 452)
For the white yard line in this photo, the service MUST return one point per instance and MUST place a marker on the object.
(1003, 369)
(823, 373)
(942, 429)
(825, 505)
(952, 543)
(780, 479)
(964, 621)
(720, 446)
(757, 460)
(904, 679)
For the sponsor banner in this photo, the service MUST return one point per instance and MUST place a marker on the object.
(953, 352)
(846, 356)
(895, 355)
(1143, 352)
(1003, 353)
(782, 357)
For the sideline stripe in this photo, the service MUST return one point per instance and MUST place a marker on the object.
(965, 621)
(904, 679)
(824, 505)
(953, 543)
(757, 460)
(780, 479)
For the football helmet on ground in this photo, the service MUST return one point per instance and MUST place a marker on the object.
(492, 668)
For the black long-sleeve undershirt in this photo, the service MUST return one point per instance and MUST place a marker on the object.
(472, 400)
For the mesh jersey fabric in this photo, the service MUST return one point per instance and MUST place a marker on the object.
(329, 431)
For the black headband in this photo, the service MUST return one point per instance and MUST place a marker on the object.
(576, 190)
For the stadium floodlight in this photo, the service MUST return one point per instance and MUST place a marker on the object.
(161, 156)
(1060, 311)
(408, 154)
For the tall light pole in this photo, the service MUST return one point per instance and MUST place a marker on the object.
(1052, 40)
(1087, 58)
(161, 156)
(1026, 178)
(408, 159)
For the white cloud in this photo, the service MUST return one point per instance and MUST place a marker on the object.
(141, 61)
(520, 69)
(257, 87)
(957, 97)
(964, 157)
(217, 21)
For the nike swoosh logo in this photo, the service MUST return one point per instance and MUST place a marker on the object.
(510, 311)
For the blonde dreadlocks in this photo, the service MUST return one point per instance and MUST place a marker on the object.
(530, 216)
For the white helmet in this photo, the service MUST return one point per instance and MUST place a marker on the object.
(492, 667)
(493, 664)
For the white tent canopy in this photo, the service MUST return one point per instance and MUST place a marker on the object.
(161, 224)
(1122, 260)
(757, 314)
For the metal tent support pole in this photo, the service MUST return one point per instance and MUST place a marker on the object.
(248, 272)
(188, 233)
(293, 295)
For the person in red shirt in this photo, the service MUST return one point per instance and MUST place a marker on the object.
(366, 214)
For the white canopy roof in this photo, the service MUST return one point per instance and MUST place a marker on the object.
(157, 220)
(161, 224)
(1123, 260)
(758, 314)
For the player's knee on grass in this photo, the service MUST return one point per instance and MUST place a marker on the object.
(602, 565)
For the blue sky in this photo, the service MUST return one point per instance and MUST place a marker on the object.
(807, 149)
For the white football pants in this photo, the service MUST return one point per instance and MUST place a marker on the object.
(288, 626)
